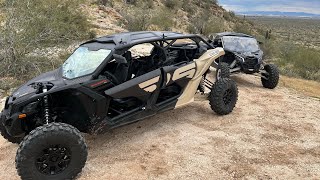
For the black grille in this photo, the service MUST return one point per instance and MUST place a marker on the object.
(251, 62)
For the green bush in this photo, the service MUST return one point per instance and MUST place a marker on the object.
(242, 28)
(188, 7)
(294, 60)
(134, 2)
(105, 2)
(229, 16)
(137, 19)
(38, 24)
(171, 4)
(163, 20)
(300, 61)
(206, 25)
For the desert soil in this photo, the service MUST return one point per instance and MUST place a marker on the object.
(271, 134)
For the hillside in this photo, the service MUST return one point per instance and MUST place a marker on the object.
(41, 42)
(186, 16)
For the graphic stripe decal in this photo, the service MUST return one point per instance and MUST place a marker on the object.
(150, 85)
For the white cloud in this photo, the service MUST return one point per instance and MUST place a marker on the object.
(234, 7)
(311, 6)
(290, 8)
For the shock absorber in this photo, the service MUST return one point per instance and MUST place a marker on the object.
(46, 106)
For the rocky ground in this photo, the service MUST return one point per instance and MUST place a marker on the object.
(272, 134)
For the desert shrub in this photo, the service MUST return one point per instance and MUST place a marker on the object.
(269, 49)
(142, 15)
(149, 4)
(187, 6)
(105, 2)
(205, 4)
(242, 28)
(134, 2)
(137, 19)
(171, 4)
(229, 16)
(210, 1)
(162, 19)
(7, 83)
(300, 61)
(294, 60)
(206, 25)
(38, 24)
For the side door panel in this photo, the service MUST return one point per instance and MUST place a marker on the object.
(175, 80)
(140, 87)
(180, 74)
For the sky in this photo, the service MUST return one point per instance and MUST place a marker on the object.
(307, 6)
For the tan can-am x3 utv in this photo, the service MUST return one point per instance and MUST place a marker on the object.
(101, 86)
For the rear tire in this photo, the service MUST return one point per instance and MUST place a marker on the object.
(273, 76)
(223, 71)
(7, 136)
(52, 151)
(223, 96)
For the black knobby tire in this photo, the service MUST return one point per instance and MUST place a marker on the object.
(53, 151)
(272, 77)
(223, 96)
(223, 71)
(7, 136)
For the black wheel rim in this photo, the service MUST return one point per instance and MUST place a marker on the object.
(53, 160)
(227, 96)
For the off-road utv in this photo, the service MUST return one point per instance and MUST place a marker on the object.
(105, 84)
(243, 54)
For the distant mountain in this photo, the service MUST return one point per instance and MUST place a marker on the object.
(277, 13)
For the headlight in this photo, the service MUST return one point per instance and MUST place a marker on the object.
(30, 107)
(239, 58)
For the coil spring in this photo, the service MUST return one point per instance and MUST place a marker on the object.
(46, 107)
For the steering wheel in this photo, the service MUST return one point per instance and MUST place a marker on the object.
(111, 77)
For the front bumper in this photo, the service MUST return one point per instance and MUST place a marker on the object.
(251, 65)
(12, 123)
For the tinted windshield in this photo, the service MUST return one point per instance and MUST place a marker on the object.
(83, 62)
(240, 44)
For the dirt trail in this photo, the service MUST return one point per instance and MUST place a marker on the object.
(271, 134)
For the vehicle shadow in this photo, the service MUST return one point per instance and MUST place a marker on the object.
(154, 126)
(247, 81)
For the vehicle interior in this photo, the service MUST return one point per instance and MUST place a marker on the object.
(147, 57)
(228, 57)
(144, 58)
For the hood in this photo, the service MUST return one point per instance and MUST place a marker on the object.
(53, 77)
(257, 54)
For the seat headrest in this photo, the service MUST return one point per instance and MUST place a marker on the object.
(127, 55)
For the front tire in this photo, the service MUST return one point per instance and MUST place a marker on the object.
(223, 96)
(52, 151)
(272, 76)
(223, 71)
